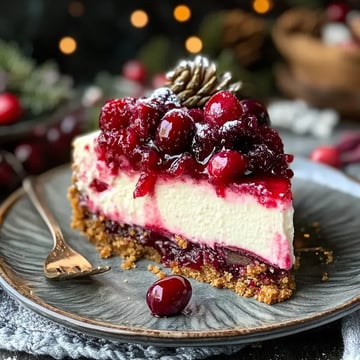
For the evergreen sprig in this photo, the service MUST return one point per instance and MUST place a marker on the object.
(40, 88)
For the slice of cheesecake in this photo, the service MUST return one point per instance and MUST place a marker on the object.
(203, 190)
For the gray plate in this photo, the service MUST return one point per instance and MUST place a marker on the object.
(112, 305)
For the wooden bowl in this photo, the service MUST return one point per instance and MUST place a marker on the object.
(323, 75)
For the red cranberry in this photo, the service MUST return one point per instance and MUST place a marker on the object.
(337, 11)
(221, 107)
(184, 164)
(169, 296)
(174, 132)
(254, 107)
(115, 114)
(150, 159)
(145, 185)
(135, 70)
(326, 154)
(145, 118)
(10, 108)
(261, 159)
(197, 115)
(204, 142)
(226, 166)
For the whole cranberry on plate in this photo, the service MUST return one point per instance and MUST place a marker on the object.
(169, 296)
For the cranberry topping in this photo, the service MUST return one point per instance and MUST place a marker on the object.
(226, 166)
(169, 296)
(174, 132)
(155, 135)
(98, 185)
(254, 107)
(115, 114)
(223, 106)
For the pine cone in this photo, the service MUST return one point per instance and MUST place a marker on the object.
(195, 81)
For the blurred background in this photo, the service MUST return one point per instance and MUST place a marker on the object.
(85, 36)
(59, 60)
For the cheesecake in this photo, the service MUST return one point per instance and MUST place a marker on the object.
(204, 190)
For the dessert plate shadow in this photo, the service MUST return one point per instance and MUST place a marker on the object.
(112, 305)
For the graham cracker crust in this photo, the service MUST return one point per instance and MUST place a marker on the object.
(128, 246)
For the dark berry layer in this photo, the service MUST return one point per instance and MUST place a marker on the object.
(227, 140)
(191, 255)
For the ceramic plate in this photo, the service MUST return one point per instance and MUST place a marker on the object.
(112, 305)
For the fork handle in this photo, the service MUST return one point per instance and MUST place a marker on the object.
(32, 188)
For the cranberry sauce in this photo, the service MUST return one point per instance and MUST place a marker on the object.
(194, 255)
(224, 142)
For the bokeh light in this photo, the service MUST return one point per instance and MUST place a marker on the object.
(182, 13)
(193, 44)
(262, 6)
(67, 45)
(139, 18)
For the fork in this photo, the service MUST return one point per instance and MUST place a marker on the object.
(63, 262)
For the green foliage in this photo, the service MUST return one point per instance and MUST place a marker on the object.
(40, 88)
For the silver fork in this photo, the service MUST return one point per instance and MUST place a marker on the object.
(63, 262)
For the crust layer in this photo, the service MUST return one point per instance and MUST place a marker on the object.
(128, 245)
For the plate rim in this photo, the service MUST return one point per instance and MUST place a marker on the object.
(162, 336)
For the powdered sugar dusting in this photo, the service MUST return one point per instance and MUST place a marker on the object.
(166, 97)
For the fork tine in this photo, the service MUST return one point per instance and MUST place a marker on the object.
(63, 262)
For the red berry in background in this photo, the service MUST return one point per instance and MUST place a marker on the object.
(257, 109)
(174, 132)
(134, 70)
(10, 108)
(169, 296)
(326, 154)
(11, 173)
(159, 80)
(336, 11)
(226, 166)
(116, 113)
(223, 106)
(32, 155)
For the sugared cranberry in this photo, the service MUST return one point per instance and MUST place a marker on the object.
(145, 118)
(326, 154)
(10, 108)
(115, 114)
(260, 159)
(221, 107)
(256, 108)
(205, 141)
(174, 132)
(197, 115)
(150, 159)
(164, 99)
(129, 139)
(226, 166)
(169, 296)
